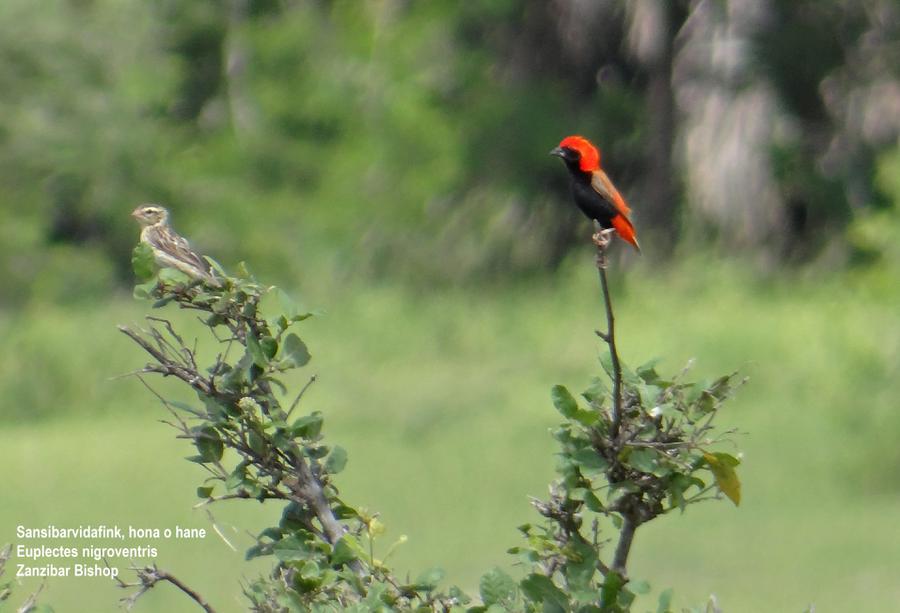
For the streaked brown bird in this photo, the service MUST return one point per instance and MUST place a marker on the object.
(169, 248)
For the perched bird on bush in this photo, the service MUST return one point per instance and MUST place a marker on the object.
(592, 190)
(169, 249)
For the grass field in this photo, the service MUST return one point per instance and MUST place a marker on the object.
(442, 400)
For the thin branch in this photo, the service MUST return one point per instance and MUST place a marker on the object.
(165, 365)
(125, 375)
(308, 489)
(595, 542)
(300, 395)
(182, 424)
(148, 577)
(290, 466)
(28, 604)
(5, 554)
(218, 530)
(182, 351)
(626, 536)
(243, 495)
(602, 240)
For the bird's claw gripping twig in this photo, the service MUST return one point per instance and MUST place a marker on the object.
(602, 238)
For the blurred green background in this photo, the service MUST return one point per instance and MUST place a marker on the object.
(386, 162)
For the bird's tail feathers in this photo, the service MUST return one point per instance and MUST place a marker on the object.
(625, 229)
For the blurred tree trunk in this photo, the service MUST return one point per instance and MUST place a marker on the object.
(651, 39)
(730, 123)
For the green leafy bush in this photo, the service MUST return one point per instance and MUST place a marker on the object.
(637, 447)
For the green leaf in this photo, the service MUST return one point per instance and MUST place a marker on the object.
(626, 598)
(374, 602)
(694, 390)
(310, 571)
(563, 434)
(590, 461)
(647, 371)
(722, 387)
(214, 409)
(237, 476)
(205, 492)
(242, 272)
(593, 503)
(668, 410)
(316, 452)
(639, 587)
(216, 266)
(644, 460)
(269, 346)
(597, 392)
(142, 261)
(336, 460)
(706, 402)
(256, 551)
(345, 550)
(162, 302)
(609, 591)
(649, 393)
(344, 511)
(628, 375)
(496, 587)
(271, 532)
(235, 378)
(173, 276)
(209, 444)
(458, 595)
(292, 548)
(722, 467)
(428, 580)
(256, 442)
(539, 588)
(144, 291)
(677, 485)
(587, 418)
(289, 306)
(262, 350)
(606, 363)
(256, 351)
(581, 567)
(308, 426)
(294, 352)
(563, 401)
(665, 601)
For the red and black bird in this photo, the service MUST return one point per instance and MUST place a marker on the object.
(592, 190)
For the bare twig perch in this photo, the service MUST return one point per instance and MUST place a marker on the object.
(602, 240)
(148, 577)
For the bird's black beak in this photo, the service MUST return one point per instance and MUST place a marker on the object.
(557, 151)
